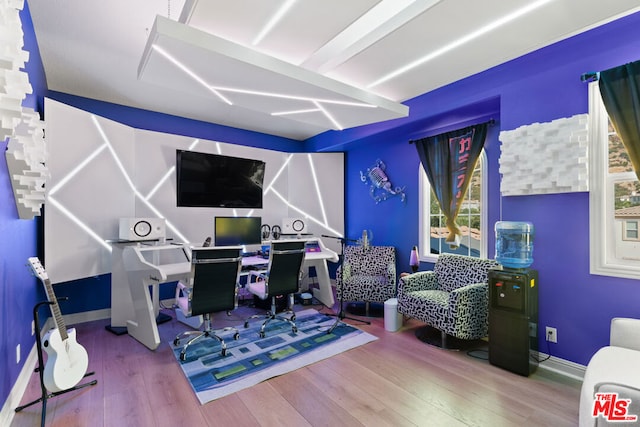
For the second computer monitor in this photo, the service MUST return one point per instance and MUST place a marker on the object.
(237, 231)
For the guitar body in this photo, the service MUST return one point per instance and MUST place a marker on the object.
(67, 361)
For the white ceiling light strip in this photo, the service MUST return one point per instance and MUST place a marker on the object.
(461, 41)
(286, 113)
(190, 73)
(293, 97)
(329, 116)
(273, 21)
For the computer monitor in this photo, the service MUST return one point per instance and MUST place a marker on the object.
(235, 231)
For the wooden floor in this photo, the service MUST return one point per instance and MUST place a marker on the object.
(396, 380)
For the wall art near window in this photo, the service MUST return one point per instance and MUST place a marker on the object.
(380, 186)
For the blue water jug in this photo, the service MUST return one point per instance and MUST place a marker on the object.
(514, 243)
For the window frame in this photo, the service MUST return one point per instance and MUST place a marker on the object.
(425, 212)
(602, 257)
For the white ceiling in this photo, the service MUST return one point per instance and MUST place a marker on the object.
(206, 57)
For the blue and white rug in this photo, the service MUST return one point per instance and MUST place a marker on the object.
(251, 359)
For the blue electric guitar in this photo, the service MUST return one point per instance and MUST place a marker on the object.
(67, 361)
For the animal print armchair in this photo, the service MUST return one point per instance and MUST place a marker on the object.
(453, 298)
(367, 275)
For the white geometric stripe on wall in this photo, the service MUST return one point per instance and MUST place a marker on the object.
(102, 170)
(545, 158)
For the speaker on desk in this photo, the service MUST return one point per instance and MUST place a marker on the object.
(142, 228)
(294, 226)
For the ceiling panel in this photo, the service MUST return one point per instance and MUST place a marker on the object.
(94, 49)
(305, 28)
(178, 56)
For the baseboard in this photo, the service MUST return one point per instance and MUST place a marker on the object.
(87, 316)
(561, 366)
(105, 313)
(17, 391)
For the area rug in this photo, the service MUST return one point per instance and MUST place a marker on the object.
(251, 359)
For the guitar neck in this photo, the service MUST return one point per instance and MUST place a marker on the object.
(55, 309)
(38, 270)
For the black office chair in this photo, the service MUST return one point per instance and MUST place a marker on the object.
(281, 279)
(213, 287)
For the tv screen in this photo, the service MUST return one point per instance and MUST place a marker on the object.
(216, 181)
(234, 231)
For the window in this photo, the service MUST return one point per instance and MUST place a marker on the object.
(630, 230)
(614, 198)
(472, 218)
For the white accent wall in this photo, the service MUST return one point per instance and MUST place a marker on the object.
(102, 170)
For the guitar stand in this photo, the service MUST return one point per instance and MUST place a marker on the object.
(40, 369)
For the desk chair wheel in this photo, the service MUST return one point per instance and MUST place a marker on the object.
(294, 329)
(176, 342)
(223, 352)
(183, 356)
(246, 324)
(293, 318)
(262, 334)
(236, 336)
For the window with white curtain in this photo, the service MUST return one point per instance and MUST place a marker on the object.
(614, 198)
(472, 218)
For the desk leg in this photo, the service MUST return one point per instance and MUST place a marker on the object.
(144, 327)
(121, 303)
(323, 293)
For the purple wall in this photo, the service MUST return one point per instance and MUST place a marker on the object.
(538, 87)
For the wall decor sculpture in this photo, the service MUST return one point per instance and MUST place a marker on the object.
(380, 187)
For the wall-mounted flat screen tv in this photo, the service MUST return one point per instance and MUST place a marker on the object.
(216, 181)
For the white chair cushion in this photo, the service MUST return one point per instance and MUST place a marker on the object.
(258, 289)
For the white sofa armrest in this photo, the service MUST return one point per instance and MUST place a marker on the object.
(625, 332)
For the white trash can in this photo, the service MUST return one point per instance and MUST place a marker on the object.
(392, 319)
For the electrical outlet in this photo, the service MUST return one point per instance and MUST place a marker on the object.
(18, 354)
(552, 334)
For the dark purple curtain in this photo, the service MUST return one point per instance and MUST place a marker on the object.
(449, 160)
(620, 89)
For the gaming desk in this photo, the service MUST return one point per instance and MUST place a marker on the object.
(138, 266)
